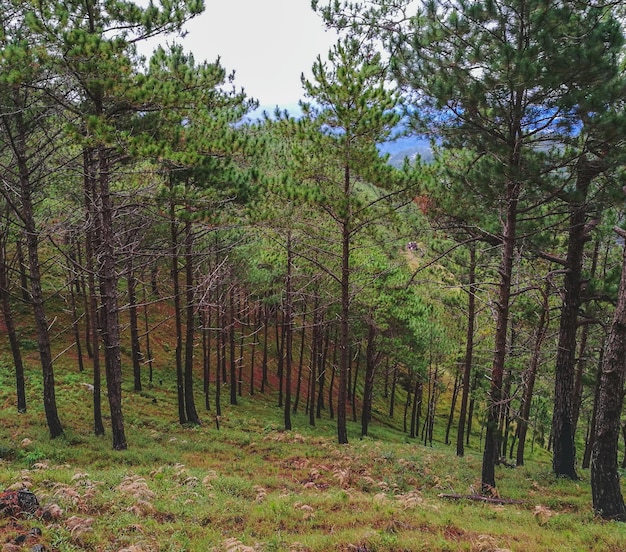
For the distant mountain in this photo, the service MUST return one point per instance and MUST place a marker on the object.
(399, 150)
(407, 147)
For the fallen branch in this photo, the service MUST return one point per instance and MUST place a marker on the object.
(481, 498)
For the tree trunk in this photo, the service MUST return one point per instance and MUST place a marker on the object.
(608, 501)
(205, 313)
(322, 356)
(135, 350)
(564, 453)
(581, 361)
(392, 394)
(73, 287)
(231, 343)
(108, 291)
(5, 297)
(416, 411)
(333, 373)
(265, 310)
(288, 331)
(469, 351)
(470, 409)
(455, 394)
(354, 380)
(344, 334)
(190, 404)
(244, 324)
(36, 294)
(147, 331)
(530, 375)
(372, 358)
(180, 384)
(315, 343)
(280, 348)
(23, 269)
(296, 400)
(596, 395)
(253, 346)
(492, 438)
(92, 240)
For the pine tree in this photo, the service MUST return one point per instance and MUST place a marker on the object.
(353, 111)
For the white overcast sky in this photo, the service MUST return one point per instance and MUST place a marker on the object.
(269, 44)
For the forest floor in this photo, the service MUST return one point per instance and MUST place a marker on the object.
(250, 486)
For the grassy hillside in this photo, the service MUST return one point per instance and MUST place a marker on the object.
(250, 486)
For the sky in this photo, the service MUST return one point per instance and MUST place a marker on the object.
(269, 44)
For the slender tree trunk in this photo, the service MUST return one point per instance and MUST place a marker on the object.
(280, 348)
(417, 405)
(265, 347)
(455, 394)
(300, 364)
(288, 331)
(324, 338)
(84, 294)
(470, 410)
(331, 387)
(206, 354)
(220, 365)
(180, 383)
(5, 297)
(623, 426)
(392, 395)
(354, 380)
(469, 351)
(154, 282)
(530, 375)
(36, 294)
(231, 343)
(581, 361)
(135, 349)
(492, 438)
(564, 453)
(244, 324)
(147, 333)
(23, 270)
(92, 239)
(313, 361)
(108, 291)
(344, 325)
(190, 322)
(608, 501)
(596, 397)
(372, 358)
(253, 346)
(73, 287)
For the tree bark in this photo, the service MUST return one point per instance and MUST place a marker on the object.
(190, 404)
(564, 452)
(92, 239)
(492, 438)
(36, 294)
(469, 351)
(7, 312)
(288, 330)
(530, 375)
(135, 350)
(180, 383)
(608, 501)
(108, 290)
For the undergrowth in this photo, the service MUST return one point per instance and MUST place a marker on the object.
(250, 486)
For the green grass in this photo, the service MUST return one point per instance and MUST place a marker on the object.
(252, 486)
